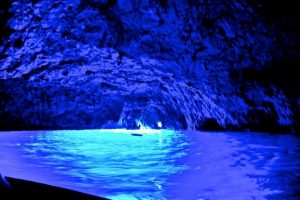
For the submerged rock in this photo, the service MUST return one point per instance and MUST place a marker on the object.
(106, 64)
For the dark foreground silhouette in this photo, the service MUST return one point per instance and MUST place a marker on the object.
(12, 188)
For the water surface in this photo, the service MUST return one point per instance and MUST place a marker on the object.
(166, 165)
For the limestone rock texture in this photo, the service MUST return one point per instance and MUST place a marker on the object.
(190, 64)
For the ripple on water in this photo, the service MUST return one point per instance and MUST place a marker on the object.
(167, 165)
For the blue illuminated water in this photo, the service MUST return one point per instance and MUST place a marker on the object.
(166, 165)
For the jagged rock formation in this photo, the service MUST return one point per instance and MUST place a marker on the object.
(188, 64)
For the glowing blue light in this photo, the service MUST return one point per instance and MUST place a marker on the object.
(156, 166)
(159, 124)
(141, 125)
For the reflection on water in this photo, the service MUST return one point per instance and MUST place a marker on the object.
(167, 165)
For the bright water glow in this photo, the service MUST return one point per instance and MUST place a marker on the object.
(140, 124)
(167, 165)
(159, 124)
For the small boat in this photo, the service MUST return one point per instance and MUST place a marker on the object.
(136, 134)
(132, 131)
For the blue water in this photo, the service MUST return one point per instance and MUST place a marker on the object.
(166, 165)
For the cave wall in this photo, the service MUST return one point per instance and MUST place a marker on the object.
(192, 64)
